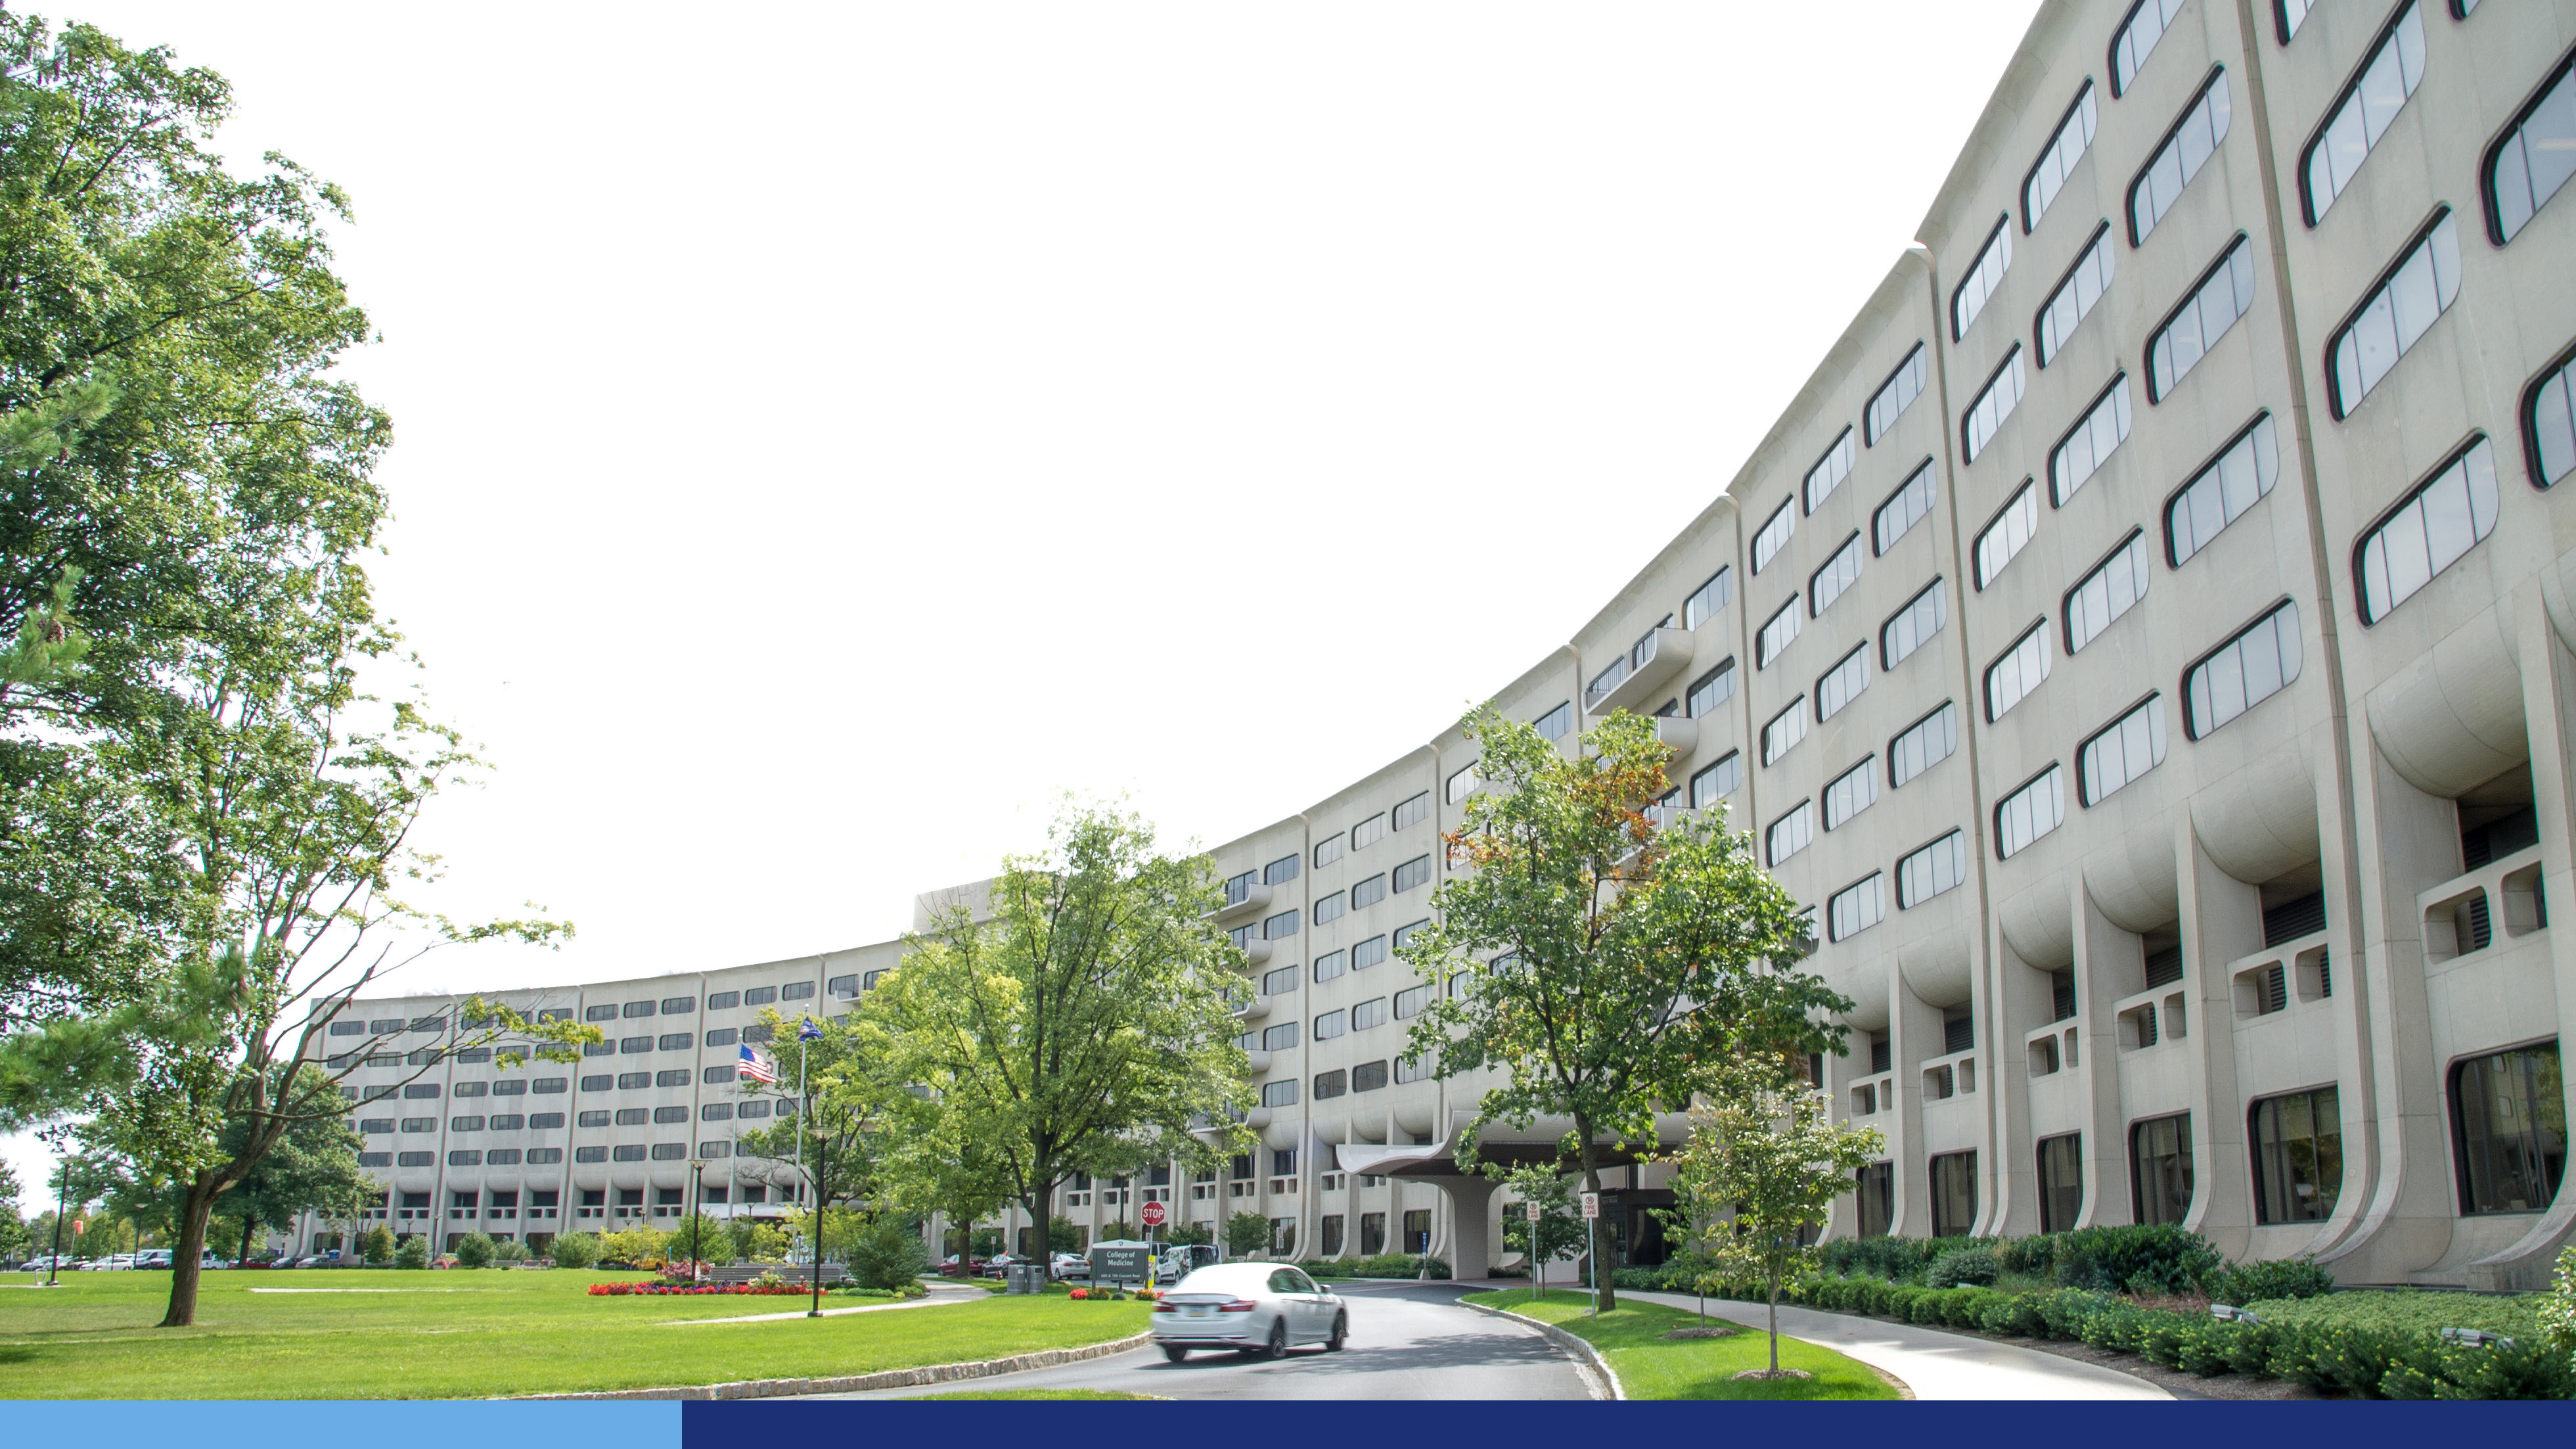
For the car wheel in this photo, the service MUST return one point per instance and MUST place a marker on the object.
(1341, 1331)
(1278, 1345)
(1175, 1352)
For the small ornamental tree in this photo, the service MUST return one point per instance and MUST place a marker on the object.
(1246, 1234)
(574, 1250)
(1631, 959)
(1559, 1231)
(473, 1251)
(1189, 1235)
(412, 1252)
(377, 1247)
(698, 1238)
(1773, 1151)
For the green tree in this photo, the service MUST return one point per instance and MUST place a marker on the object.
(1631, 959)
(376, 1246)
(185, 476)
(1086, 1025)
(412, 1252)
(1769, 1147)
(1183, 1235)
(887, 1253)
(312, 1167)
(698, 1238)
(1063, 1236)
(473, 1250)
(1246, 1234)
(758, 1242)
(574, 1250)
(1559, 1231)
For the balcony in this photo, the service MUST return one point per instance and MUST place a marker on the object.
(1259, 1059)
(2493, 904)
(1649, 665)
(1256, 953)
(2054, 1048)
(2152, 1018)
(1954, 1075)
(2291, 975)
(1244, 899)
(1681, 734)
(1253, 1010)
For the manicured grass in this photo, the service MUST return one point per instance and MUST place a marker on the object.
(1038, 1394)
(461, 1334)
(1651, 1366)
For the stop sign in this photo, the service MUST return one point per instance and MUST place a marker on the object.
(1153, 1214)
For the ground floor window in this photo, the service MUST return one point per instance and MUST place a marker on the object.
(1283, 1236)
(2061, 1182)
(2160, 1168)
(2298, 1156)
(1954, 1194)
(1417, 1230)
(1874, 1189)
(1332, 1235)
(1372, 1234)
(2509, 1127)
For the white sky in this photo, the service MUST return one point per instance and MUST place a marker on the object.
(827, 433)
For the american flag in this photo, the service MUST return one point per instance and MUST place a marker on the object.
(758, 1068)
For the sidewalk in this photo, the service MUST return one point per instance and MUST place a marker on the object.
(1936, 1365)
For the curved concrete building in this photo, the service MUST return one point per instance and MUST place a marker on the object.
(2145, 640)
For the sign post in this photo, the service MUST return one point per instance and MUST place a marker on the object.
(1592, 1244)
(1154, 1214)
(1538, 1265)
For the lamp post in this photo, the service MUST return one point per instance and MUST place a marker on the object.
(697, 1221)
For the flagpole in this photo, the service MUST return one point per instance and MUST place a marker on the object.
(814, 1210)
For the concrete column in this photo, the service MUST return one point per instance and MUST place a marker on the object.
(1470, 1246)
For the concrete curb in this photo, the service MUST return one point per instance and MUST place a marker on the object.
(857, 1383)
(1599, 1377)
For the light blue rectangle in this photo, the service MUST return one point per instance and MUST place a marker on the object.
(257, 1424)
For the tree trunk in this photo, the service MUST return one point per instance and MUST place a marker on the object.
(184, 1258)
(1041, 1203)
(250, 1223)
(1605, 1297)
(1775, 1323)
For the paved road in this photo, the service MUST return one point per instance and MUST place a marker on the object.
(1407, 1342)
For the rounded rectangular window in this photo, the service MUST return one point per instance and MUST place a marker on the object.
(2030, 813)
(2298, 1156)
(2243, 672)
(1368, 892)
(1412, 874)
(2048, 176)
(2090, 443)
(1914, 625)
(1703, 605)
(2113, 587)
(2224, 293)
(1330, 965)
(1368, 953)
(1283, 1036)
(1279, 982)
(1710, 690)
(2004, 535)
(1851, 792)
(2534, 158)
(1327, 851)
(2509, 1130)
(1369, 1013)
(1895, 395)
(1717, 781)
(1839, 573)
(1925, 743)
(1985, 274)
(2395, 316)
(1830, 471)
(1776, 634)
(2437, 525)
(2123, 750)
(2187, 147)
(2012, 678)
(1412, 812)
(2360, 116)
(1774, 535)
(1909, 505)
(1790, 833)
(1985, 417)
(2549, 420)
(1935, 868)
(2148, 20)
(2221, 491)
(1280, 926)
(2160, 1169)
(1784, 731)
(2081, 287)
(1842, 684)
(1856, 907)
(1331, 908)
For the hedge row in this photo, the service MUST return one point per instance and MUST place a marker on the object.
(1382, 1265)
(2367, 1359)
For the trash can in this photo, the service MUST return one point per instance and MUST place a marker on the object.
(1025, 1278)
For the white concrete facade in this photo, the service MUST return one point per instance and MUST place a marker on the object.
(2320, 860)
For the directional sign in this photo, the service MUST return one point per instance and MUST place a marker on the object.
(1153, 1214)
(1592, 1204)
(1532, 1211)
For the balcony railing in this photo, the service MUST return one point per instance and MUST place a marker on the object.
(1646, 667)
(2151, 1018)
(2499, 901)
(2285, 977)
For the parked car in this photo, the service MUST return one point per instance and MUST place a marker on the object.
(960, 1265)
(112, 1263)
(47, 1263)
(153, 1258)
(1064, 1267)
(1257, 1308)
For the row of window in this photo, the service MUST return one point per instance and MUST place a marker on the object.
(1368, 832)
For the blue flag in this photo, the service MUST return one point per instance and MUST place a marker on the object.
(809, 1030)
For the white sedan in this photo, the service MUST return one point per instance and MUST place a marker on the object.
(1262, 1308)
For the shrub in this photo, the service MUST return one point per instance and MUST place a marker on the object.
(412, 1252)
(887, 1254)
(574, 1250)
(1384, 1265)
(2243, 1283)
(1958, 1266)
(509, 1250)
(377, 1247)
(2408, 1310)
(2013, 1315)
(2158, 1258)
(1891, 1258)
(473, 1251)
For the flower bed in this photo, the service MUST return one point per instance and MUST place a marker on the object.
(693, 1290)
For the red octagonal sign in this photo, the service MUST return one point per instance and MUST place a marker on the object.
(1153, 1214)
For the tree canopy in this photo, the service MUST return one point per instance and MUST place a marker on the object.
(1613, 962)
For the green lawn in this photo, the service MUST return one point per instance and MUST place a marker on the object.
(1651, 1366)
(461, 1334)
